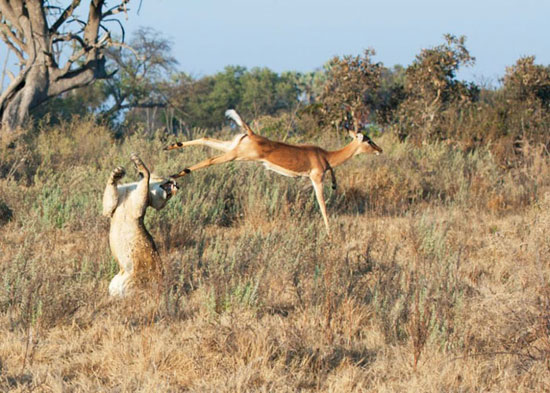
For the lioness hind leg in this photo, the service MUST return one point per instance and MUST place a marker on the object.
(121, 284)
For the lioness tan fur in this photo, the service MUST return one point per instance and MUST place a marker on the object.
(131, 244)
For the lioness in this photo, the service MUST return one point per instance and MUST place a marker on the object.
(131, 244)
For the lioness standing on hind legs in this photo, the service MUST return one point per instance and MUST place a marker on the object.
(131, 244)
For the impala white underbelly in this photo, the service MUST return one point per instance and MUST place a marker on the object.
(281, 170)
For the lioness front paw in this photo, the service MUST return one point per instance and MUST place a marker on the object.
(140, 166)
(117, 174)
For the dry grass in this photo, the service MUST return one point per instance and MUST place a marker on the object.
(436, 277)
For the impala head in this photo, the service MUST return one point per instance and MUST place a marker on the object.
(366, 145)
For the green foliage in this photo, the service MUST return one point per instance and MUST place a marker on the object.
(431, 89)
(81, 102)
(138, 82)
(350, 90)
(528, 82)
(265, 93)
(390, 95)
(260, 91)
(526, 92)
(422, 102)
(225, 93)
(311, 84)
(5, 213)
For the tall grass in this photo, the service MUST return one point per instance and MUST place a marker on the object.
(435, 278)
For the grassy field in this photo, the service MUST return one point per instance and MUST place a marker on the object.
(436, 277)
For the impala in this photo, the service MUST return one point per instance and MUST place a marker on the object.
(285, 159)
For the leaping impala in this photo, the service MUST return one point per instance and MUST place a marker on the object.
(285, 159)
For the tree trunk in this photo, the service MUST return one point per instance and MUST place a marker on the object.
(24, 97)
(25, 26)
(39, 85)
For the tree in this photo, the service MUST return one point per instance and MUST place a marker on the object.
(528, 82)
(526, 93)
(311, 84)
(139, 82)
(188, 99)
(349, 95)
(226, 93)
(431, 88)
(57, 51)
(390, 94)
(203, 102)
(265, 92)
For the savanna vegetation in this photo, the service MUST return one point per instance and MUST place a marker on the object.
(436, 276)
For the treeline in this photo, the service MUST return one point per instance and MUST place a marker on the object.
(422, 102)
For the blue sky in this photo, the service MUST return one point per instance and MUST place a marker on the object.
(301, 35)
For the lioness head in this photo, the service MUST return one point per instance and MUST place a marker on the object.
(160, 191)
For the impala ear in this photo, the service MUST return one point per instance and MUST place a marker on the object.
(353, 134)
(360, 137)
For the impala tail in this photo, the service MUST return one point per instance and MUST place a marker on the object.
(233, 115)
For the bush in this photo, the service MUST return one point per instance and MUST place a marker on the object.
(5, 213)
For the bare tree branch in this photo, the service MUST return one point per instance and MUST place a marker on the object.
(12, 47)
(142, 105)
(65, 15)
(52, 7)
(78, 55)
(68, 37)
(10, 33)
(150, 104)
(128, 47)
(10, 14)
(4, 69)
(79, 77)
(80, 21)
(120, 25)
(116, 9)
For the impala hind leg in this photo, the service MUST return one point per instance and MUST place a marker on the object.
(229, 156)
(217, 144)
(318, 187)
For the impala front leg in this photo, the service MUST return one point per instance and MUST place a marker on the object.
(333, 177)
(318, 186)
(229, 156)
